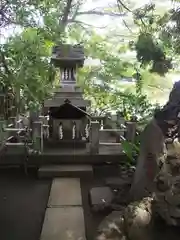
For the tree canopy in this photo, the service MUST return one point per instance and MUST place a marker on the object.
(112, 78)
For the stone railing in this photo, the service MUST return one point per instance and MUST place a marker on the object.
(22, 132)
(106, 131)
(100, 135)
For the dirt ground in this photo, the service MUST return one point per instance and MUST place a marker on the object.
(92, 220)
(160, 231)
(23, 203)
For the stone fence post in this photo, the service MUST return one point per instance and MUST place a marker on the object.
(120, 120)
(12, 120)
(37, 136)
(130, 131)
(33, 116)
(107, 120)
(2, 133)
(94, 137)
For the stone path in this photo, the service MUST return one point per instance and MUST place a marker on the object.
(64, 218)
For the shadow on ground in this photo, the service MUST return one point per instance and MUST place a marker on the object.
(92, 220)
(22, 205)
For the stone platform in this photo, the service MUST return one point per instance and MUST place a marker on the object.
(70, 156)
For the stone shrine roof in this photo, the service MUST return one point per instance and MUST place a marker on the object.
(65, 55)
(68, 111)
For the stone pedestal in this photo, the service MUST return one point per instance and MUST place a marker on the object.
(72, 93)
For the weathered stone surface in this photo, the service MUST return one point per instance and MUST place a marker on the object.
(65, 192)
(100, 198)
(167, 188)
(137, 220)
(172, 199)
(132, 222)
(120, 187)
(174, 211)
(111, 227)
(152, 144)
(66, 223)
(116, 182)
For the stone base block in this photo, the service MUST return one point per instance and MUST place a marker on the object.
(100, 198)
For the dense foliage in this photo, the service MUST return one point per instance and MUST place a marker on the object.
(25, 56)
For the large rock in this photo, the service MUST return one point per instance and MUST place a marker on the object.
(167, 188)
(138, 220)
(133, 222)
(112, 227)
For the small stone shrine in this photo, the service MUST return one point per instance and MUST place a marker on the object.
(68, 119)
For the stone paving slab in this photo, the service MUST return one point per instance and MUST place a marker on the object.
(65, 223)
(65, 192)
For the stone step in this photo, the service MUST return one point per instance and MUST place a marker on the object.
(64, 218)
(51, 171)
(71, 144)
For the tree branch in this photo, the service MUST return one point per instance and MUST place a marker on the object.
(100, 13)
(83, 23)
(76, 11)
(123, 5)
(66, 12)
(125, 24)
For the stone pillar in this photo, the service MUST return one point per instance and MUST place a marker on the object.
(2, 105)
(68, 76)
(120, 120)
(37, 136)
(33, 117)
(12, 121)
(2, 132)
(94, 137)
(107, 120)
(130, 131)
(78, 124)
